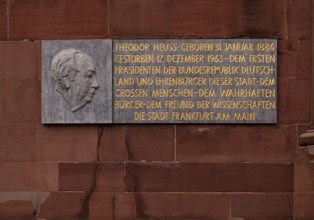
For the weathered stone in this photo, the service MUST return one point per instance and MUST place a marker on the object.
(58, 19)
(67, 143)
(201, 177)
(143, 18)
(234, 143)
(28, 176)
(83, 93)
(262, 206)
(227, 18)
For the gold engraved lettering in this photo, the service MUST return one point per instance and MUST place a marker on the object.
(236, 58)
(172, 93)
(132, 47)
(138, 58)
(197, 46)
(262, 58)
(123, 81)
(161, 116)
(265, 47)
(139, 116)
(222, 116)
(131, 93)
(182, 104)
(137, 70)
(203, 104)
(244, 116)
(180, 81)
(245, 81)
(206, 93)
(153, 104)
(123, 104)
(237, 104)
(143, 81)
(185, 58)
(166, 47)
(238, 47)
(222, 81)
(267, 93)
(192, 116)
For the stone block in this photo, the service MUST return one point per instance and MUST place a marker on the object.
(112, 206)
(21, 100)
(140, 19)
(19, 59)
(294, 101)
(58, 19)
(3, 20)
(110, 177)
(28, 176)
(67, 143)
(18, 143)
(65, 205)
(304, 177)
(17, 210)
(304, 203)
(77, 176)
(295, 59)
(227, 18)
(182, 205)
(262, 206)
(299, 22)
(258, 143)
(198, 177)
(138, 142)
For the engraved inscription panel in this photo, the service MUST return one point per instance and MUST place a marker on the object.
(195, 81)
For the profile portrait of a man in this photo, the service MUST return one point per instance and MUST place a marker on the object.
(74, 75)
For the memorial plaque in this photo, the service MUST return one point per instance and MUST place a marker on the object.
(77, 81)
(195, 81)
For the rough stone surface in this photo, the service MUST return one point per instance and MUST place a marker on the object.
(262, 206)
(304, 177)
(112, 206)
(58, 19)
(63, 105)
(23, 53)
(21, 101)
(76, 177)
(294, 106)
(202, 18)
(299, 22)
(169, 177)
(28, 176)
(203, 143)
(18, 143)
(138, 142)
(304, 203)
(110, 177)
(16, 210)
(65, 205)
(3, 20)
(140, 19)
(67, 143)
(295, 59)
(182, 205)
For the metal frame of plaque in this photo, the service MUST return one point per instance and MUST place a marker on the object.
(217, 81)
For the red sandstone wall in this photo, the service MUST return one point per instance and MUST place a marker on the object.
(162, 172)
